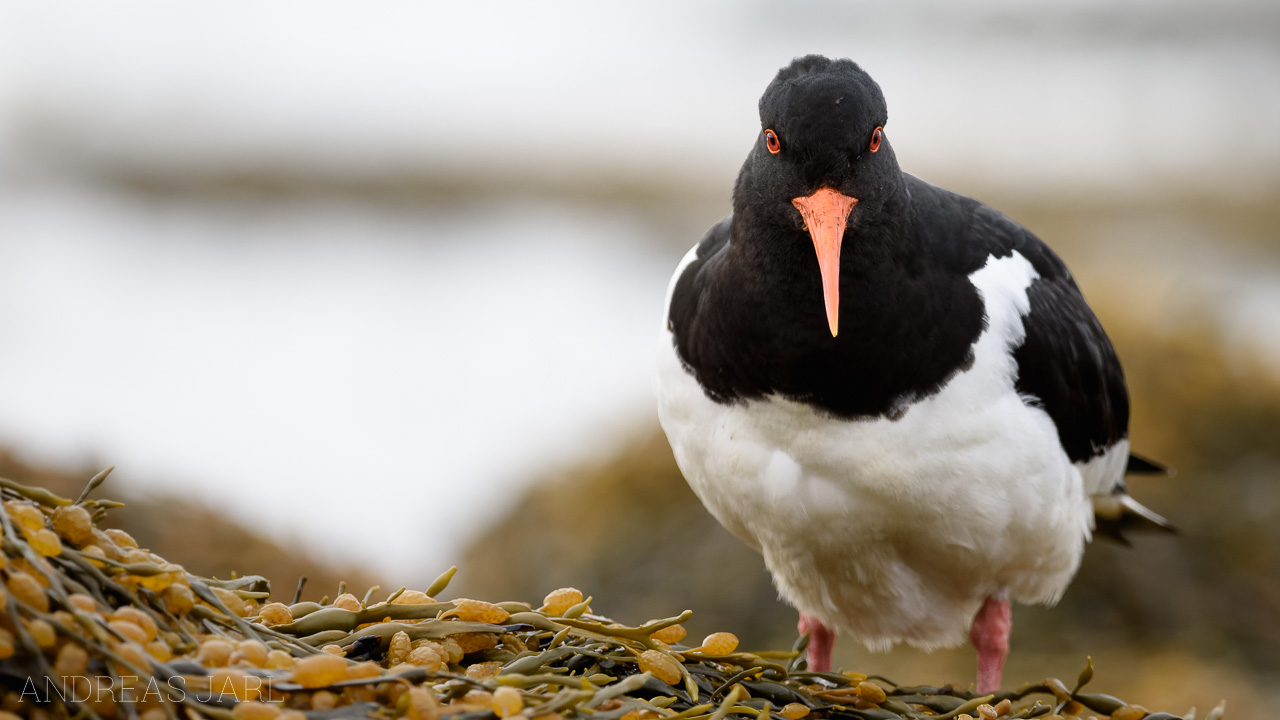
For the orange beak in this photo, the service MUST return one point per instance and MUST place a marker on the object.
(825, 214)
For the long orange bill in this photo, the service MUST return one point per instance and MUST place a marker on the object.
(825, 214)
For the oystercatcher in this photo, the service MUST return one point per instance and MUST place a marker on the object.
(893, 392)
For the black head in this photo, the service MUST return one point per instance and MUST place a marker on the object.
(824, 114)
(822, 163)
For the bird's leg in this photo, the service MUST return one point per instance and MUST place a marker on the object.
(990, 637)
(822, 640)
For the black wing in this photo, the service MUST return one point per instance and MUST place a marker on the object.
(1068, 367)
(1139, 465)
(1067, 362)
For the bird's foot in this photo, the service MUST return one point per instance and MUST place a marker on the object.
(990, 637)
(822, 640)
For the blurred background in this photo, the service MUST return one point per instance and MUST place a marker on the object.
(365, 292)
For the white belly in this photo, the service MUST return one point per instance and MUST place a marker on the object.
(896, 530)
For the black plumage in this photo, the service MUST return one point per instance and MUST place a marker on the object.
(746, 315)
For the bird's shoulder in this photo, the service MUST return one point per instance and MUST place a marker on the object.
(689, 280)
(961, 234)
(1066, 363)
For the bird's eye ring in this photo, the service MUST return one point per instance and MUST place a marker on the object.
(875, 139)
(771, 141)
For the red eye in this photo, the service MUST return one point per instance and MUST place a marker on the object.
(875, 140)
(771, 141)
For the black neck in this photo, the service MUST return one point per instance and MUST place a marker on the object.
(905, 323)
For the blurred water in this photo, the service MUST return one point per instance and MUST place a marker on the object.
(1117, 97)
(366, 379)
(374, 377)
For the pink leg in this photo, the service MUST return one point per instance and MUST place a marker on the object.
(822, 640)
(990, 636)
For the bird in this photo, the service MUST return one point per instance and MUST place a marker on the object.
(895, 393)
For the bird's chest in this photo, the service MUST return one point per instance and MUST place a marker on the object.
(771, 468)
(760, 332)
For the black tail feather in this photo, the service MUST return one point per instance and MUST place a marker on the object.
(1139, 465)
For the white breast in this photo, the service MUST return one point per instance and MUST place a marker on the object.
(896, 530)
